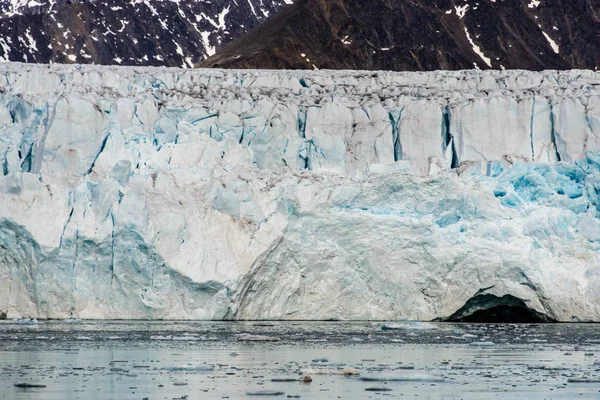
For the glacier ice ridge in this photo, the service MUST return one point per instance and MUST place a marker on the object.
(157, 193)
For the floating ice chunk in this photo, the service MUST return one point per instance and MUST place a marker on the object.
(378, 389)
(472, 367)
(160, 337)
(26, 321)
(549, 367)
(25, 385)
(482, 344)
(584, 380)
(409, 326)
(189, 367)
(348, 371)
(405, 377)
(185, 338)
(257, 338)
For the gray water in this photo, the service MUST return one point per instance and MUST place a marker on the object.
(208, 360)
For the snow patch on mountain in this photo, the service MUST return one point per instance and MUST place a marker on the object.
(141, 32)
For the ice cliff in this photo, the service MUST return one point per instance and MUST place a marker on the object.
(211, 194)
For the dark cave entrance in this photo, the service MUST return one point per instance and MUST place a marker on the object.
(491, 309)
(502, 315)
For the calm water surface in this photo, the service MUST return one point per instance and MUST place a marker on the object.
(208, 360)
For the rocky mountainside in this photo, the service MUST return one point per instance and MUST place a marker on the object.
(178, 33)
(423, 35)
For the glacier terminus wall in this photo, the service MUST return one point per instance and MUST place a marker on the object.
(160, 193)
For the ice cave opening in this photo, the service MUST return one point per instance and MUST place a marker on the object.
(488, 308)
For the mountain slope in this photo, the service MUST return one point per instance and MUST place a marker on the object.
(423, 35)
(177, 33)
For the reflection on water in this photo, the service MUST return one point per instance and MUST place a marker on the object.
(207, 360)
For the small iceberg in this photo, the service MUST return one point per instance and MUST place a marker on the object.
(324, 371)
(189, 367)
(378, 389)
(482, 344)
(25, 385)
(285, 380)
(266, 393)
(584, 380)
(407, 377)
(409, 326)
(257, 338)
(26, 321)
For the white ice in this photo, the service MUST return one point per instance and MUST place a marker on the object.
(211, 194)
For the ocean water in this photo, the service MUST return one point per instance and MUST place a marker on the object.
(215, 360)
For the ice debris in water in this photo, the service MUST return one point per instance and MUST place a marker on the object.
(324, 371)
(405, 377)
(189, 367)
(25, 385)
(409, 326)
(584, 380)
(482, 344)
(26, 321)
(285, 380)
(257, 338)
(266, 393)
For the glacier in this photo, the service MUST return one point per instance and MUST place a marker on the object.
(158, 193)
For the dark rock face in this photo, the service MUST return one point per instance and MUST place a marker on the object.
(421, 35)
(126, 32)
